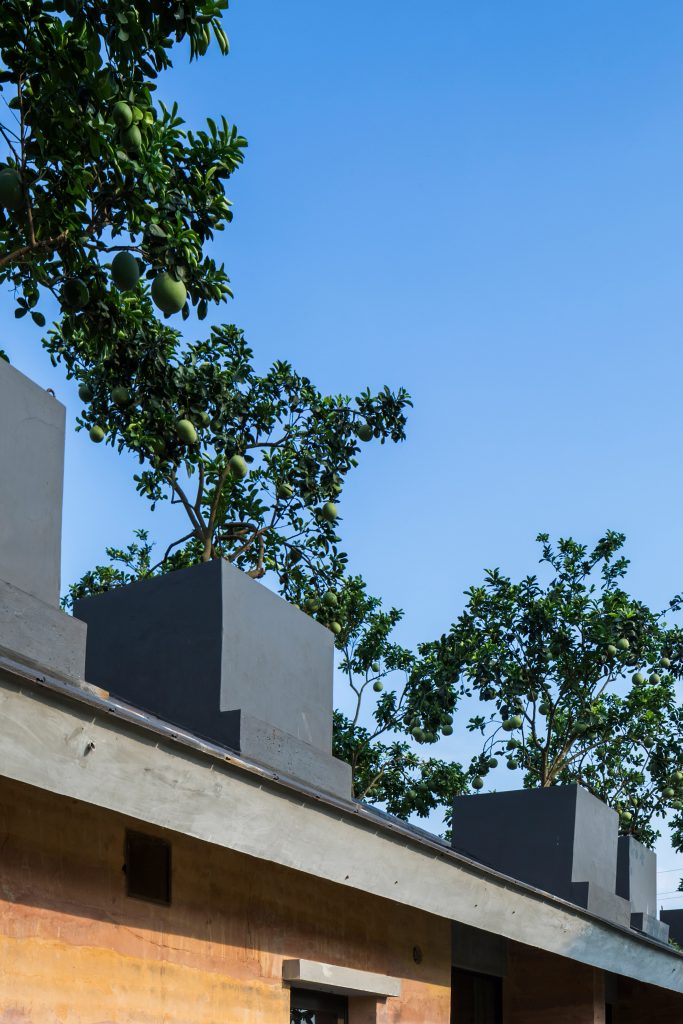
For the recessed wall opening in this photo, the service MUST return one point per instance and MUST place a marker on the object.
(148, 867)
(476, 998)
(309, 1007)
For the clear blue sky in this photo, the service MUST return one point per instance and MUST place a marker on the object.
(483, 202)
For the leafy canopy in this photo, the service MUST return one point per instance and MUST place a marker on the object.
(580, 678)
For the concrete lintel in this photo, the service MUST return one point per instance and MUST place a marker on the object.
(343, 981)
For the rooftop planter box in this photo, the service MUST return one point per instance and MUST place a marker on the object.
(562, 840)
(218, 654)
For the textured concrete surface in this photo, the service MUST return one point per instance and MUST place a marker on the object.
(211, 650)
(31, 474)
(74, 949)
(340, 980)
(47, 638)
(69, 748)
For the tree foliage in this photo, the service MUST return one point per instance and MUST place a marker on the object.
(94, 165)
(580, 678)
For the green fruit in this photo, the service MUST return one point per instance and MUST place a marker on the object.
(169, 294)
(125, 271)
(638, 678)
(418, 733)
(120, 396)
(623, 644)
(131, 139)
(378, 686)
(85, 392)
(11, 195)
(665, 663)
(122, 115)
(478, 782)
(678, 776)
(329, 512)
(669, 792)
(508, 725)
(285, 491)
(330, 599)
(543, 709)
(74, 294)
(447, 730)
(492, 762)
(648, 741)
(238, 467)
(513, 744)
(516, 721)
(364, 432)
(336, 628)
(204, 419)
(655, 678)
(375, 666)
(96, 434)
(186, 432)
(611, 650)
(488, 693)
(511, 763)
(311, 604)
(626, 816)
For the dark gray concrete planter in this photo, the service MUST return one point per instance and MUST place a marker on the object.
(32, 627)
(561, 839)
(637, 883)
(213, 651)
(673, 919)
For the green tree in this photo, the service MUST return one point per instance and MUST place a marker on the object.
(580, 678)
(94, 168)
(386, 768)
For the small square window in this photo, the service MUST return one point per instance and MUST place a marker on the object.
(148, 867)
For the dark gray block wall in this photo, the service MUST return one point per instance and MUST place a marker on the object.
(216, 653)
(637, 882)
(674, 920)
(31, 476)
(561, 839)
(33, 629)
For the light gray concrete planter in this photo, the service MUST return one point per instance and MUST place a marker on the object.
(562, 840)
(32, 626)
(213, 651)
(637, 883)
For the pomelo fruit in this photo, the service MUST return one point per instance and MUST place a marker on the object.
(11, 195)
(378, 686)
(125, 271)
(669, 792)
(611, 650)
(336, 628)
(447, 730)
(168, 294)
(120, 396)
(655, 678)
(74, 294)
(96, 434)
(131, 139)
(638, 678)
(329, 511)
(623, 644)
(364, 432)
(492, 762)
(330, 599)
(238, 467)
(285, 491)
(85, 392)
(122, 115)
(477, 783)
(186, 432)
(665, 663)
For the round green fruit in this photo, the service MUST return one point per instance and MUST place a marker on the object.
(611, 650)
(330, 599)
(492, 762)
(543, 710)
(85, 392)
(96, 434)
(74, 294)
(11, 195)
(665, 663)
(638, 678)
(623, 644)
(678, 776)
(186, 432)
(122, 115)
(125, 271)
(447, 730)
(285, 491)
(669, 792)
(378, 686)
(648, 741)
(168, 294)
(511, 763)
(336, 628)
(508, 725)
(478, 782)
(131, 139)
(626, 816)
(311, 604)
(238, 467)
(419, 734)
(516, 721)
(120, 396)
(375, 666)
(329, 512)
(204, 419)
(655, 678)
(364, 432)
(513, 744)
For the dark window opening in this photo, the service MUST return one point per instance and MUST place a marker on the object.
(476, 998)
(148, 867)
(317, 1008)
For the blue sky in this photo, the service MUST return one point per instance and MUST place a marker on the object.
(480, 201)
